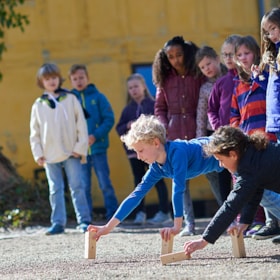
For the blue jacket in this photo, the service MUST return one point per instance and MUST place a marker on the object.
(184, 160)
(100, 119)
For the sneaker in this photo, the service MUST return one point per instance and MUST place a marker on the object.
(253, 229)
(55, 229)
(140, 218)
(160, 218)
(276, 240)
(188, 230)
(82, 227)
(266, 232)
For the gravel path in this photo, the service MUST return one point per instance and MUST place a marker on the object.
(129, 253)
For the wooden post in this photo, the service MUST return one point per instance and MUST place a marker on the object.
(90, 245)
(167, 246)
(238, 247)
(174, 257)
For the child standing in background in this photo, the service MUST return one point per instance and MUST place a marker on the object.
(100, 121)
(248, 107)
(59, 139)
(178, 81)
(267, 75)
(220, 102)
(140, 102)
(209, 64)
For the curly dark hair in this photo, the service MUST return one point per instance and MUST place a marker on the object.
(227, 138)
(162, 66)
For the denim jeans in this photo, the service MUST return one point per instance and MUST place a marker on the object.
(271, 201)
(213, 178)
(100, 165)
(54, 172)
(188, 206)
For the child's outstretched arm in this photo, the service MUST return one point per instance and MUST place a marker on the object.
(103, 230)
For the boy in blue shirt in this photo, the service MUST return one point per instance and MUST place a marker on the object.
(100, 120)
(179, 160)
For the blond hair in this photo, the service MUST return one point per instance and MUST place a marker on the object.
(145, 129)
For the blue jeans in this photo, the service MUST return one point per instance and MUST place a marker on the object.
(100, 165)
(54, 172)
(271, 201)
(188, 206)
(213, 178)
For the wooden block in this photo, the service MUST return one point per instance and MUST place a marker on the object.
(238, 247)
(174, 257)
(167, 246)
(90, 245)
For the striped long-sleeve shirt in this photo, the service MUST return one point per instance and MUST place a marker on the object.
(248, 107)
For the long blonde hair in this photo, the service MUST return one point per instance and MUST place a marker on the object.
(139, 77)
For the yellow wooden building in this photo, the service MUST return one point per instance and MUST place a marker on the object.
(113, 38)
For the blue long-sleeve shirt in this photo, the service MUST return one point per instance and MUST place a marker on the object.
(184, 160)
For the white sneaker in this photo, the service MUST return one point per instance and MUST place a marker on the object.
(188, 230)
(140, 218)
(160, 218)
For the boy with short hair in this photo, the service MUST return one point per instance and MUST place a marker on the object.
(58, 140)
(100, 120)
(179, 160)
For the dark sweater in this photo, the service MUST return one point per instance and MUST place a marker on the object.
(257, 170)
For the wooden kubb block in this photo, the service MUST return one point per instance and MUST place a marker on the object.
(166, 253)
(174, 257)
(90, 245)
(167, 246)
(238, 247)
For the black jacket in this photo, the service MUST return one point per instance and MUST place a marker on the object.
(257, 170)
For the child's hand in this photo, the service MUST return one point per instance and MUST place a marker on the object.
(167, 232)
(238, 227)
(255, 70)
(91, 140)
(75, 155)
(41, 161)
(192, 246)
(100, 230)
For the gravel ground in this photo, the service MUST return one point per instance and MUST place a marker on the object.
(129, 252)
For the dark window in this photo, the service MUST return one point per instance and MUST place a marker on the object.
(146, 71)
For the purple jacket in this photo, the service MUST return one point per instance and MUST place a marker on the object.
(176, 104)
(130, 113)
(220, 100)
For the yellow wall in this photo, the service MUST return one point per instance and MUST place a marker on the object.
(108, 36)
